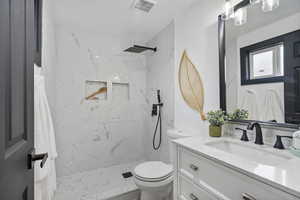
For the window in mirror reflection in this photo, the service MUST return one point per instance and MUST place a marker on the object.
(267, 63)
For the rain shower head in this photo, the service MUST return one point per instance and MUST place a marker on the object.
(144, 5)
(139, 49)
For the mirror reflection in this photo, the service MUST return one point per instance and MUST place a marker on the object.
(263, 61)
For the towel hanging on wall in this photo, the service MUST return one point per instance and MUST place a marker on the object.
(273, 107)
(248, 101)
(45, 178)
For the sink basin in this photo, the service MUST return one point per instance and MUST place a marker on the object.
(259, 154)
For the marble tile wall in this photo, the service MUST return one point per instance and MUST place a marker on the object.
(160, 76)
(96, 134)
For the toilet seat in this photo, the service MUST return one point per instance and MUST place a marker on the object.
(151, 179)
(146, 185)
(153, 171)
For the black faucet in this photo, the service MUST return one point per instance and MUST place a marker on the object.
(244, 136)
(259, 136)
(279, 144)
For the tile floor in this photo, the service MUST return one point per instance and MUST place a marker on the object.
(100, 184)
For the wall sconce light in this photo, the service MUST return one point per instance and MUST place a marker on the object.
(252, 2)
(228, 10)
(240, 16)
(269, 5)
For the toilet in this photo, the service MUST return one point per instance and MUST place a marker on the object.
(155, 178)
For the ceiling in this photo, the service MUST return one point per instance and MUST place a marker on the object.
(117, 17)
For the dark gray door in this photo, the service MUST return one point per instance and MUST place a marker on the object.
(16, 98)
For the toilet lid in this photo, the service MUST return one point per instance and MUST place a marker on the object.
(153, 170)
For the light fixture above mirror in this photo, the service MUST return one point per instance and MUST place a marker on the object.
(269, 5)
(228, 10)
(252, 2)
(240, 15)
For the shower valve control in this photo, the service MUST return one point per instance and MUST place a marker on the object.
(155, 108)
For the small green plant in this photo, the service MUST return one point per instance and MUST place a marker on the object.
(238, 114)
(216, 118)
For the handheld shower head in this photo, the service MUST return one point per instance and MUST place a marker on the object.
(158, 96)
(156, 110)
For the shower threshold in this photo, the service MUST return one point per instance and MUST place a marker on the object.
(100, 184)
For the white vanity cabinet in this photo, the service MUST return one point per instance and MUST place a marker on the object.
(201, 178)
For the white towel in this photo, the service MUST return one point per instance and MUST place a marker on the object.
(273, 107)
(45, 178)
(249, 103)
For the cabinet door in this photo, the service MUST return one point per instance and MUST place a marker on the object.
(224, 182)
(189, 191)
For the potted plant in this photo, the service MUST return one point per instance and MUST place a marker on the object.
(216, 119)
(238, 114)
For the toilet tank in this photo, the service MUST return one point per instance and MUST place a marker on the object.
(174, 134)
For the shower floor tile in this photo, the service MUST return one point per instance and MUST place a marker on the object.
(100, 184)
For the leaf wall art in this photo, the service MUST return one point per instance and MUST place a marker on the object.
(191, 85)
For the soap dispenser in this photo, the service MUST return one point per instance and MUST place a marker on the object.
(296, 138)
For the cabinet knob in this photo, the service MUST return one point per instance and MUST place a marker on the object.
(248, 197)
(193, 197)
(194, 167)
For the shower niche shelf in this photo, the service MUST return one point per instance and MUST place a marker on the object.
(120, 91)
(96, 90)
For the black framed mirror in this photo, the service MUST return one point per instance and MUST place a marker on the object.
(259, 63)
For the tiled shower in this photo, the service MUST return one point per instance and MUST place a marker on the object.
(111, 132)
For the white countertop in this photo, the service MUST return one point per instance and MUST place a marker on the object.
(285, 176)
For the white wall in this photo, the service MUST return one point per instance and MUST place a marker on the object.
(49, 53)
(160, 76)
(95, 134)
(196, 30)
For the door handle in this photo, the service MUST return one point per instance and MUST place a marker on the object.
(32, 157)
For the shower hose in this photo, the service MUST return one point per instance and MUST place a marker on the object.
(156, 147)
